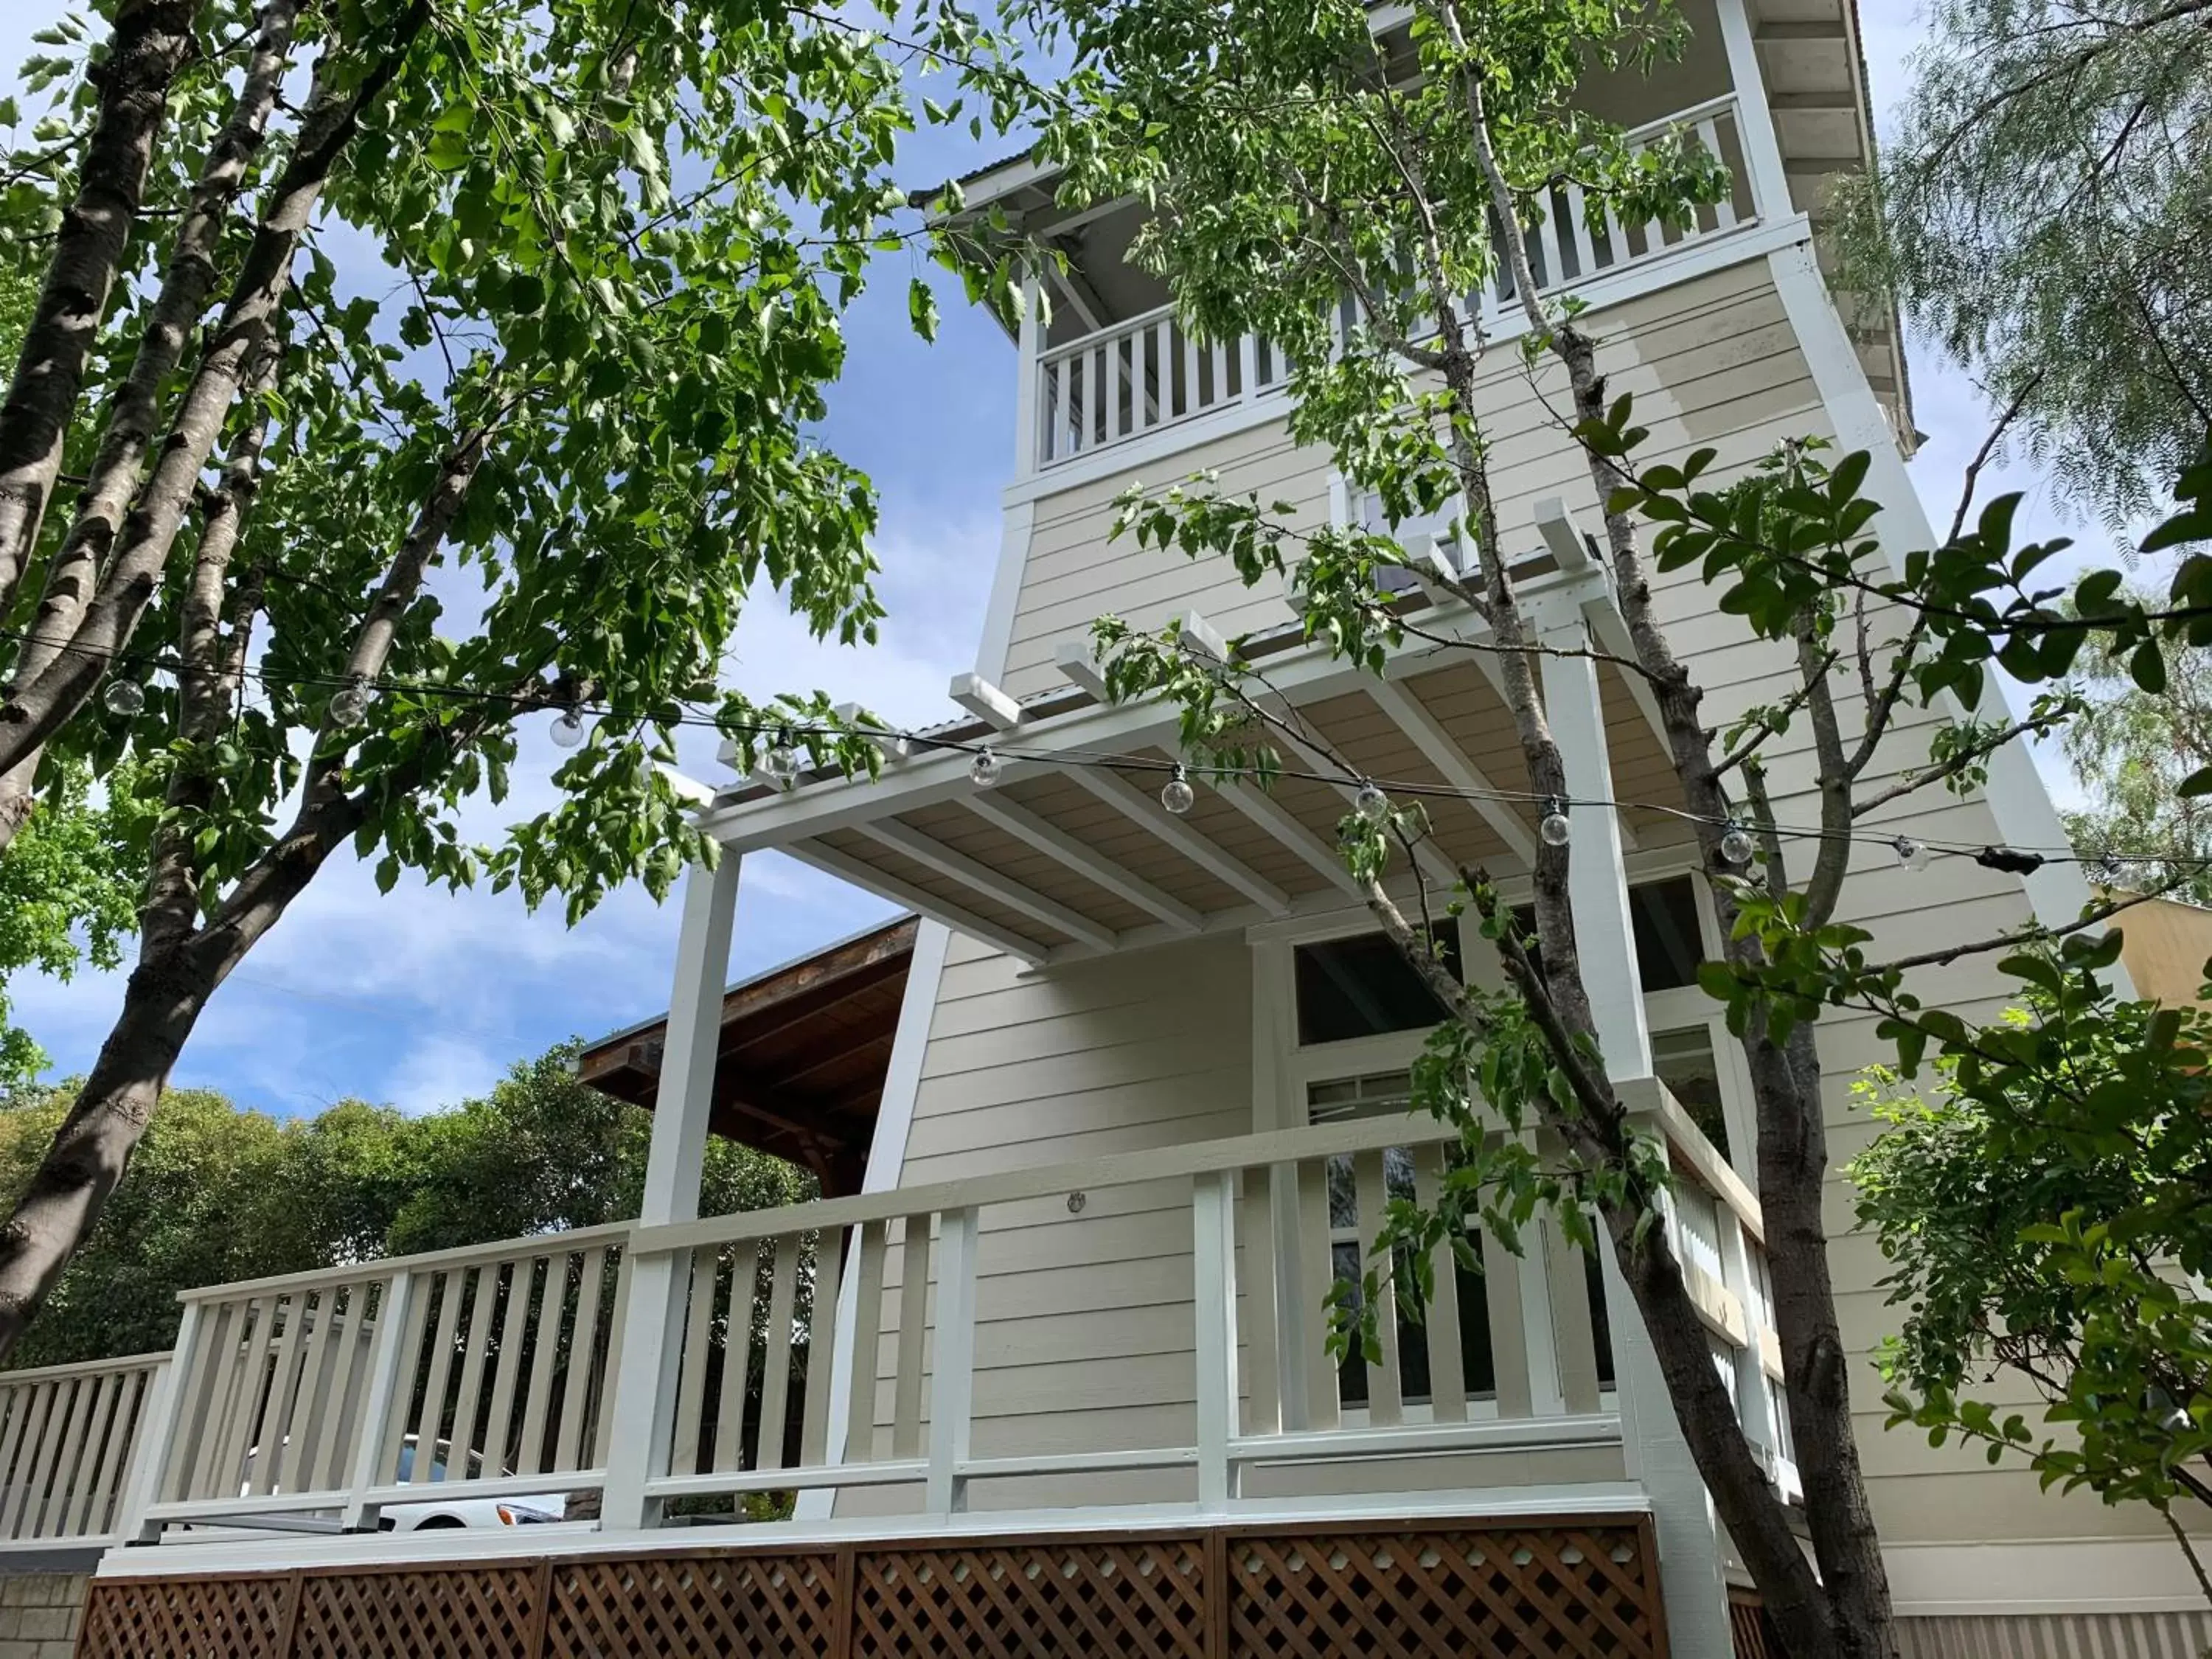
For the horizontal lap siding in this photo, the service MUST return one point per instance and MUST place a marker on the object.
(1083, 1324)
(1155, 1050)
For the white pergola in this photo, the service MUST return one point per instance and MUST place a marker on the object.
(1067, 859)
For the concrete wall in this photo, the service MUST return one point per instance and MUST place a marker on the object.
(39, 1614)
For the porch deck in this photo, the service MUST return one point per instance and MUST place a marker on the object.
(280, 1431)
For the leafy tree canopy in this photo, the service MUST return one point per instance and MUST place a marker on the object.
(219, 1192)
(2046, 1204)
(2040, 210)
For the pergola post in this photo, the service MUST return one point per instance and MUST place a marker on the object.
(642, 1395)
(1653, 1447)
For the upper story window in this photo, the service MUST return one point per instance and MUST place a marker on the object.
(1670, 940)
(1361, 986)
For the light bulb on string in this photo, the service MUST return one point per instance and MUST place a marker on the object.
(1371, 804)
(983, 770)
(350, 703)
(2106, 872)
(1736, 846)
(1176, 794)
(124, 697)
(781, 763)
(1912, 855)
(1554, 826)
(569, 730)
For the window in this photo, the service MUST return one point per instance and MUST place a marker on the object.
(1361, 986)
(1685, 1063)
(1664, 916)
(1669, 943)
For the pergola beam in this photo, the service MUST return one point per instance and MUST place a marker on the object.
(1412, 716)
(1279, 821)
(1026, 827)
(1439, 868)
(868, 878)
(933, 854)
(1141, 808)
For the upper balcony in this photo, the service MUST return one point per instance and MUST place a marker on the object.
(1772, 90)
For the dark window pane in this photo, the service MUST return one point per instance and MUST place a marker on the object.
(1668, 946)
(1663, 915)
(1685, 1062)
(1356, 987)
(1601, 1327)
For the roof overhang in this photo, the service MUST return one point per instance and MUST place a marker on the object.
(799, 1067)
(1073, 855)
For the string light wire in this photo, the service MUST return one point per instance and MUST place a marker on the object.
(779, 728)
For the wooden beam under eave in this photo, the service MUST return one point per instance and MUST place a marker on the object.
(1057, 844)
(1141, 808)
(1249, 797)
(830, 861)
(933, 854)
(1412, 716)
(1430, 857)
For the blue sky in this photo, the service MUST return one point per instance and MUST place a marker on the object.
(421, 998)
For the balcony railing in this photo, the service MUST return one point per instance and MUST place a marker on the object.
(1135, 377)
(69, 1442)
(1140, 377)
(321, 1401)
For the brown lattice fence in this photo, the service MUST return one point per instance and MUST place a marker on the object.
(1564, 1589)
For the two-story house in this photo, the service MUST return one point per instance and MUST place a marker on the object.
(1049, 1376)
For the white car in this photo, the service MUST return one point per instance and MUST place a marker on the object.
(460, 1509)
(455, 1506)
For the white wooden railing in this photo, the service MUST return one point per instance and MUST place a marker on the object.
(69, 1440)
(1135, 377)
(329, 1396)
(308, 1402)
(1578, 242)
(1718, 1233)
(1140, 376)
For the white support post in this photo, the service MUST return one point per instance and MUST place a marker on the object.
(1027, 415)
(644, 1388)
(1213, 1277)
(384, 1399)
(952, 1378)
(156, 1437)
(1754, 119)
(1597, 890)
(1597, 885)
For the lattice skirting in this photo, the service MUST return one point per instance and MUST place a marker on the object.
(1557, 1589)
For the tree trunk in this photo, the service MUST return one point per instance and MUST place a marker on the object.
(161, 1002)
(1793, 1166)
(150, 41)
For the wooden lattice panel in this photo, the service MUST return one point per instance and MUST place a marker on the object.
(1552, 1590)
(464, 1612)
(204, 1618)
(659, 1607)
(1142, 1597)
(1543, 1593)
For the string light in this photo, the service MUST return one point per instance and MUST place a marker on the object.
(1371, 804)
(781, 764)
(1735, 845)
(983, 770)
(350, 703)
(1911, 853)
(1176, 794)
(124, 697)
(569, 730)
